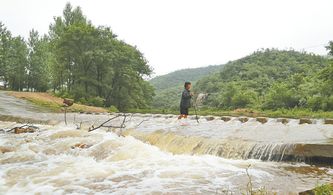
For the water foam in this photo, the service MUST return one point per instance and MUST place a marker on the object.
(44, 162)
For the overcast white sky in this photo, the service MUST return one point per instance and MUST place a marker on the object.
(177, 34)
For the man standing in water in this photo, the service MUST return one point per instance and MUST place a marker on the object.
(185, 102)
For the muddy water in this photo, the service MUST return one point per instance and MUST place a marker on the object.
(46, 162)
(158, 155)
(273, 140)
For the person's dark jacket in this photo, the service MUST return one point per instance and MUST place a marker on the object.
(185, 102)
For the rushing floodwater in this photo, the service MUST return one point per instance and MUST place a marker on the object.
(159, 155)
(46, 162)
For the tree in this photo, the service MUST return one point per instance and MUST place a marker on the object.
(268, 79)
(79, 60)
(5, 44)
(281, 95)
(38, 69)
(89, 62)
(329, 47)
(18, 52)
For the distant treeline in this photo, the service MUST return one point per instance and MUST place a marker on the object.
(76, 59)
(169, 87)
(271, 79)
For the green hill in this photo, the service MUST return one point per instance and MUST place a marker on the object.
(168, 87)
(269, 79)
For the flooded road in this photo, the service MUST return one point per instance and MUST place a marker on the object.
(17, 107)
(159, 155)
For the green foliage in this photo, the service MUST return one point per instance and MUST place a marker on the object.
(280, 95)
(168, 87)
(95, 101)
(77, 60)
(5, 44)
(168, 98)
(37, 69)
(63, 94)
(16, 64)
(320, 103)
(325, 189)
(283, 112)
(97, 64)
(329, 47)
(233, 97)
(180, 76)
(271, 79)
(113, 109)
(243, 99)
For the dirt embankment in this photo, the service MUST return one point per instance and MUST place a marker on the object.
(53, 103)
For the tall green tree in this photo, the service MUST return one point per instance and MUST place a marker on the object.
(17, 64)
(38, 68)
(91, 62)
(5, 46)
(61, 70)
(79, 60)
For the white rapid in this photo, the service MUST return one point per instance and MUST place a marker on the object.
(47, 162)
(272, 141)
(159, 154)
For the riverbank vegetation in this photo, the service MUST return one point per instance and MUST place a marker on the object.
(53, 103)
(77, 60)
(325, 189)
(279, 113)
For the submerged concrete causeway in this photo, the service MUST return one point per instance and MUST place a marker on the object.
(272, 139)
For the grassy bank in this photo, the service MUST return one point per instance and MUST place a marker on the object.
(281, 113)
(325, 189)
(53, 103)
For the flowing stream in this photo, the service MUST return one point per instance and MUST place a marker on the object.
(161, 155)
(46, 162)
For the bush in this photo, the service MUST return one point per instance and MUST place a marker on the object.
(320, 103)
(325, 189)
(96, 101)
(113, 109)
(82, 101)
(315, 103)
(243, 99)
(63, 94)
(281, 96)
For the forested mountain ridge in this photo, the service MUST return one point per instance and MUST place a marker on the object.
(270, 79)
(180, 76)
(168, 87)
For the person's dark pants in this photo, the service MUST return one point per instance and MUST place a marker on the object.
(183, 111)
